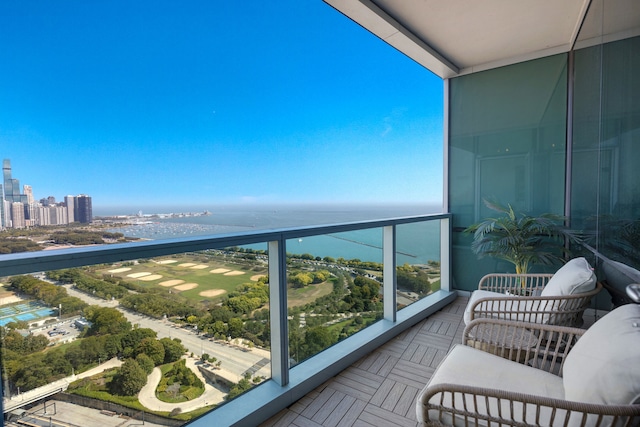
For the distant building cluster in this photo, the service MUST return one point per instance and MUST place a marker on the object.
(19, 209)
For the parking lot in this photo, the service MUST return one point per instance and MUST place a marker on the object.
(61, 331)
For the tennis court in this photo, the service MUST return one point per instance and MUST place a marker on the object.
(24, 311)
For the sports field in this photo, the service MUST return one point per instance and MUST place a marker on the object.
(193, 276)
(25, 311)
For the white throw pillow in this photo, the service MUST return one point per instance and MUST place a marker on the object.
(603, 367)
(575, 277)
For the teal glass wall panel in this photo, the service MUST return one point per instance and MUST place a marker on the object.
(507, 142)
(606, 153)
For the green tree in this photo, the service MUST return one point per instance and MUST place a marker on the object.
(113, 345)
(301, 280)
(34, 375)
(220, 328)
(107, 320)
(236, 327)
(57, 361)
(173, 349)
(129, 379)
(133, 337)
(152, 348)
(243, 385)
(145, 363)
(317, 339)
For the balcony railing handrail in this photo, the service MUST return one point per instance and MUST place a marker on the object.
(30, 262)
(279, 391)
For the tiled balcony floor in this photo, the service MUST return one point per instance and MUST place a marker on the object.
(381, 388)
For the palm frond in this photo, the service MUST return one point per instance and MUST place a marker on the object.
(520, 238)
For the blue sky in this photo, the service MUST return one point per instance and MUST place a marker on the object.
(209, 102)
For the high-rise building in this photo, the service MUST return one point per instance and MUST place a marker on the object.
(11, 185)
(42, 212)
(28, 191)
(83, 212)
(7, 181)
(3, 214)
(58, 215)
(17, 215)
(44, 217)
(4, 207)
(70, 203)
(11, 194)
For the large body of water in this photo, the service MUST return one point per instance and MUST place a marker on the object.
(416, 243)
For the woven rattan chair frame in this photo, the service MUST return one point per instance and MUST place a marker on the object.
(442, 403)
(525, 302)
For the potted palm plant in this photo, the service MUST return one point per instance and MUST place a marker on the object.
(521, 239)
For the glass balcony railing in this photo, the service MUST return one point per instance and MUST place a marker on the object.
(222, 317)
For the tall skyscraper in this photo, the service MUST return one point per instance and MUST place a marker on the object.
(11, 185)
(28, 191)
(7, 181)
(17, 215)
(4, 214)
(83, 212)
(11, 190)
(70, 202)
(4, 207)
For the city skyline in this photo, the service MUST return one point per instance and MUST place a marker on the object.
(214, 104)
(19, 208)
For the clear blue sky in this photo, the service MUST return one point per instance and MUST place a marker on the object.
(209, 102)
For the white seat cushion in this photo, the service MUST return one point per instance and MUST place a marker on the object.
(468, 366)
(575, 277)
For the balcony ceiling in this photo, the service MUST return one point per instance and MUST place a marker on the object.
(456, 37)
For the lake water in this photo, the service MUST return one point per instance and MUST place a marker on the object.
(416, 243)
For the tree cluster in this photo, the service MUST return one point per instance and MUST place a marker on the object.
(238, 316)
(248, 297)
(237, 389)
(85, 282)
(360, 295)
(158, 302)
(300, 279)
(413, 279)
(28, 366)
(9, 245)
(48, 293)
(83, 237)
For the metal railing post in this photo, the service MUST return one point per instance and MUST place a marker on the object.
(278, 311)
(389, 282)
(445, 254)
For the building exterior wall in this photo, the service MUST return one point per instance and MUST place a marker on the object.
(17, 215)
(70, 203)
(84, 212)
(43, 216)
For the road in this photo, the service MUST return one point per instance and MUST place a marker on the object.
(235, 362)
(147, 396)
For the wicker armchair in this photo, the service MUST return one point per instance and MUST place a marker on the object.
(555, 299)
(570, 381)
